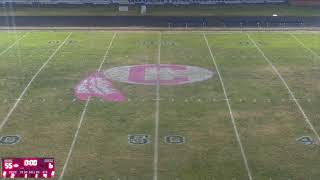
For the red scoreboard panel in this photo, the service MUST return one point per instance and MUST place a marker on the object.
(27, 168)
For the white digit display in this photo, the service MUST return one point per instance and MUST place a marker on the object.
(30, 162)
(50, 166)
(8, 165)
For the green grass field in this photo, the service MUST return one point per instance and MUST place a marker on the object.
(254, 73)
(204, 10)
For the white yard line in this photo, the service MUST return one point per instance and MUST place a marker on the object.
(304, 46)
(244, 157)
(107, 52)
(288, 88)
(30, 82)
(75, 137)
(156, 128)
(13, 44)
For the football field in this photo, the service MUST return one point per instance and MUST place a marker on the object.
(165, 105)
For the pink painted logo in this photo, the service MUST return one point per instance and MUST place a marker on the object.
(164, 74)
(100, 84)
(97, 85)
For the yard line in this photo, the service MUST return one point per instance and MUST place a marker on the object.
(107, 52)
(75, 137)
(32, 79)
(244, 157)
(13, 44)
(156, 128)
(304, 46)
(288, 88)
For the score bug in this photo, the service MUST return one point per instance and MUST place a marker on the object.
(27, 168)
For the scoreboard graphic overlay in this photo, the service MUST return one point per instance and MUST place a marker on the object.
(27, 167)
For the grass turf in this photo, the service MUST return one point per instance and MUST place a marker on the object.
(201, 10)
(267, 119)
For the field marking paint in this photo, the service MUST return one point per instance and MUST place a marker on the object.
(244, 157)
(107, 52)
(303, 45)
(288, 88)
(156, 133)
(13, 44)
(32, 79)
(74, 139)
(83, 114)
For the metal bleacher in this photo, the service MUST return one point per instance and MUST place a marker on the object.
(155, 2)
(205, 1)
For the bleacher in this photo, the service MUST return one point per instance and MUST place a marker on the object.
(204, 1)
(52, 2)
(56, 2)
(305, 2)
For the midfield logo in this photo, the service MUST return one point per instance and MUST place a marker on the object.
(99, 84)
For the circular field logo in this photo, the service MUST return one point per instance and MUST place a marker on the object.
(99, 84)
(164, 74)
